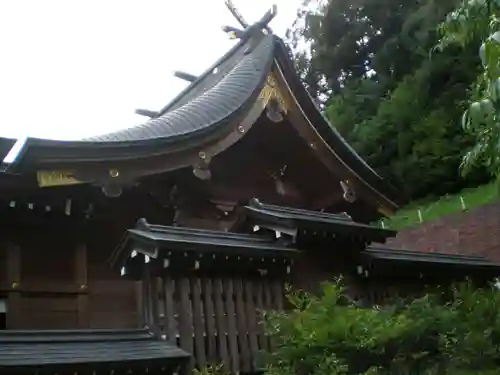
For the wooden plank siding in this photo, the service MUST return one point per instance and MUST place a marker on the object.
(218, 320)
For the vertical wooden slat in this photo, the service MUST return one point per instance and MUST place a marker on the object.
(169, 320)
(251, 314)
(245, 354)
(208, 303)
(185, 317)
(231, 325)
(14, 278)
(81, 276)
(277, 291)
(259, 305)
(221, 322)
(268, 302)
(198, 324)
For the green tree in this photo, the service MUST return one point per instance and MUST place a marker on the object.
(397, 105)
(457, 332)
(473, 22)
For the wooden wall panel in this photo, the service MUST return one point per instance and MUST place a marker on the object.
(48, 312)
(112, 304)
(112, 299)
(47, 258)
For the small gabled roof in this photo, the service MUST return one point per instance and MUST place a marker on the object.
(387, 261)
(294, 221)
(183, 247)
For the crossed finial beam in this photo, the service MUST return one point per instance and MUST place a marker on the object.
(236, 14)
(248, 29)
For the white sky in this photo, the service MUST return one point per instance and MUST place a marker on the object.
(73, 68)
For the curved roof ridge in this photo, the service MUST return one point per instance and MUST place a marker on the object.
(213, 90)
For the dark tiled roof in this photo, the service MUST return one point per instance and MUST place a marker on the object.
(185, 248)
(50, 348)
(298, 219)
(398, 263)
(392, 254)
(211, 99)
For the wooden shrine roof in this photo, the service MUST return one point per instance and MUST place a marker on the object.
(221, 98)
(113, 349)
(211, 114)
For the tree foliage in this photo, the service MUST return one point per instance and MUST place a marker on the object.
(457, 332)
(398, 105)
(473, 22)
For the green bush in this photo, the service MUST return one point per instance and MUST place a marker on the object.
(455, 331)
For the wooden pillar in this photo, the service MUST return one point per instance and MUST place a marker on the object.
(81, 276)
(155, 305)
(14, 279)
(139, 295)
(150, 299)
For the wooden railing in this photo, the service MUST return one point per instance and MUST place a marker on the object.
(218, 320)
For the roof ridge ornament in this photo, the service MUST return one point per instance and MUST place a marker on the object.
(236, 14)
(249, 30)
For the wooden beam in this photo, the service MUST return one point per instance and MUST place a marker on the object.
(233, 32)
(147, 113)
(44, 287)
(185, 76)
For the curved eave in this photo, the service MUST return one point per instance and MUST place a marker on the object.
(203, 120)
(388, 196)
